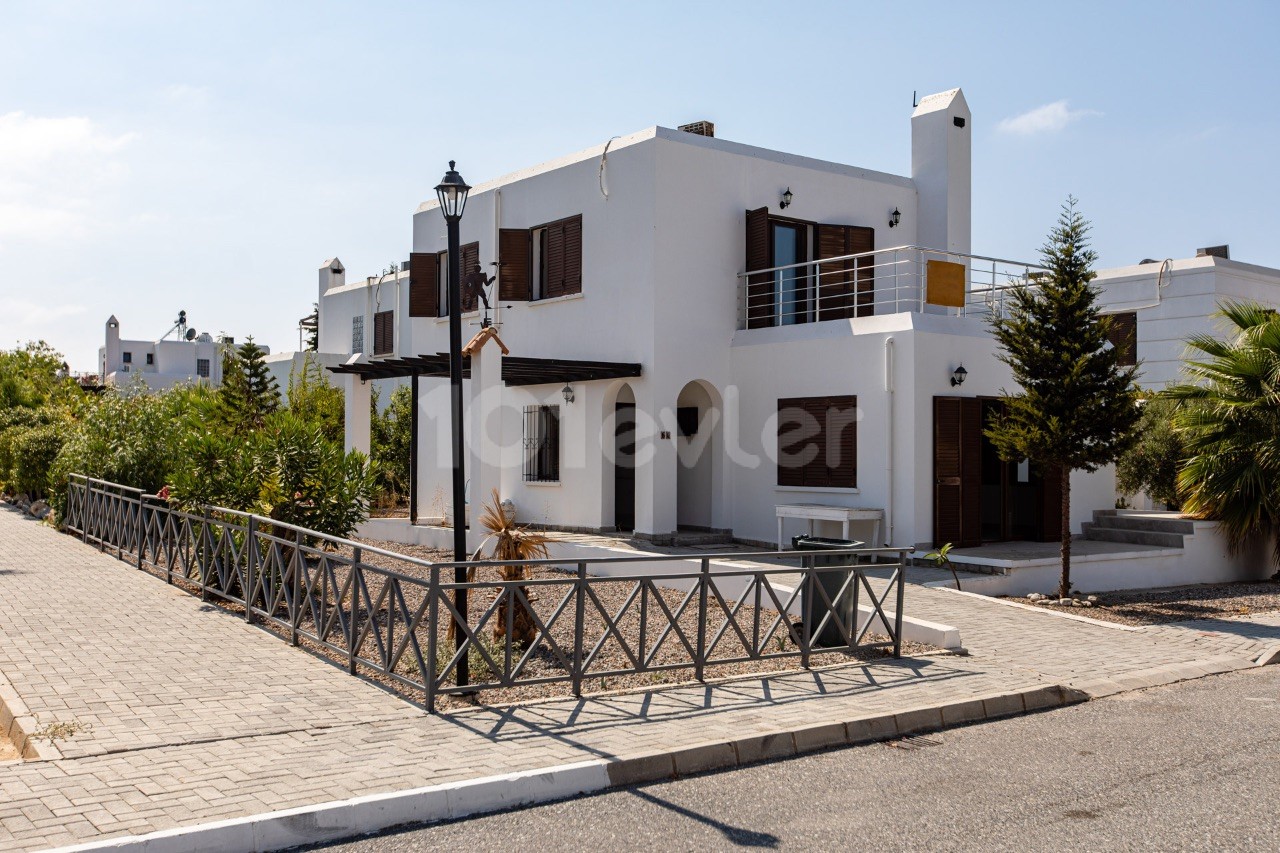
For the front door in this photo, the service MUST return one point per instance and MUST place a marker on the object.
(624, 467)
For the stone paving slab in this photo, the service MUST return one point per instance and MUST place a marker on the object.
(196, 716)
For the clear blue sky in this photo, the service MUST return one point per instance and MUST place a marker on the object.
(209, 156)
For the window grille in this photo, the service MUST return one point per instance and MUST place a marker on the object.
(202, 367)
(542, 444)
(357, 334)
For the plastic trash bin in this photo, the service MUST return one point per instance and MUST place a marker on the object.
(831, 580)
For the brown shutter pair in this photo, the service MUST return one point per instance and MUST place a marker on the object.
(845, 288)
(820, 447)
(424, 284)
(561, 263)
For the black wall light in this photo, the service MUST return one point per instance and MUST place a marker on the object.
(786, 200)
(958, 376)
(895, 218)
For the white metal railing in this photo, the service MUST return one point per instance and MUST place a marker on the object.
(883, 281)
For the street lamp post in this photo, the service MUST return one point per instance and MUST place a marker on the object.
(452, 193)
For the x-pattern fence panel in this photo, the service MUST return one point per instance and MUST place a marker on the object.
(397, 617)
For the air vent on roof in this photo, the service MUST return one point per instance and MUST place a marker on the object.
(1223, 252)
(702, 128)
(1148, 261)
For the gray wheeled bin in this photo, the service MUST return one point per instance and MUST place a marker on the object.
(831, 580)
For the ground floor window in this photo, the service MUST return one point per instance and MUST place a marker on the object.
(542, 444)
(818, 442)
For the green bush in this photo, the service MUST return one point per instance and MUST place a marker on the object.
(314, 399)
(1152, 464)
(389, 441)
(34, 452)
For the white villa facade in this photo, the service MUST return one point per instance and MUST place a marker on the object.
(160, 364)
(628, 264)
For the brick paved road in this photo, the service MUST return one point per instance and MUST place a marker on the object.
(197, 716)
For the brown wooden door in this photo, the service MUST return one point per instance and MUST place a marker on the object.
(1050, 504)
(957, 469)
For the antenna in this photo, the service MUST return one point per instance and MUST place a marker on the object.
(179, 326)
(915, 102)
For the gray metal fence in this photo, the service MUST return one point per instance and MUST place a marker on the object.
(390, 615)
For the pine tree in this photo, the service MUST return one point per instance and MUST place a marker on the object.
(249, 393)
(1077, 407)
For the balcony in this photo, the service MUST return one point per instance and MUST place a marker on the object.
(885, 281)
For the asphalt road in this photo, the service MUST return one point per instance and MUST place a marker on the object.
(1187, 767)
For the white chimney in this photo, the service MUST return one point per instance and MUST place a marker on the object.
(941, 167)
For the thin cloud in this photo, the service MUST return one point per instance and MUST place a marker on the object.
(1050, 118)
(55, 174)
(28, 314)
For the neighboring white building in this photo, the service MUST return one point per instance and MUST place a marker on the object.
(670, 284)
(161, 363)
(1160, 304)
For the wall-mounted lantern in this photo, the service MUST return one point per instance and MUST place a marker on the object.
(895, 218)
(567, 393)
(958, 376)
(786, 200)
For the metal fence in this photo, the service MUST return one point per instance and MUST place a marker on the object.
(390, 615)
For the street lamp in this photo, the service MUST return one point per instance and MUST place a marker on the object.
(452, 192)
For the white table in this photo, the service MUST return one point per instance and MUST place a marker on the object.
(825, 512)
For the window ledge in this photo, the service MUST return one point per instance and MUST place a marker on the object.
(463, 316)
(543, 484)
(822, 490)
(552, 300)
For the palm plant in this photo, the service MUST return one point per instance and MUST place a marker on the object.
(1230, 426)
(515, 543)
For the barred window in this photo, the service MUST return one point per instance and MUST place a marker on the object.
(202, 367)
(357, 333)
(542, 444)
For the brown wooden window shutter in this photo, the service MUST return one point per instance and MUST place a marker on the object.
(759, 308)
(845, 288)
(573, 254)
(515, 264)
(424, 284)
(818, 442)
(384, 331)
(1123, 335)
(562, 257)
(470, 255)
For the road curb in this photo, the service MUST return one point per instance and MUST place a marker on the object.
(362, 815)
(21, 727)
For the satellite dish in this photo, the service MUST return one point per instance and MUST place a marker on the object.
(191, 334)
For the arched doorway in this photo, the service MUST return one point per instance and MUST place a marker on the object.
(623, 457)
(698, 462)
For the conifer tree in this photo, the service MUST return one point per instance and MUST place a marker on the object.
(249, 393)
(1077, 407)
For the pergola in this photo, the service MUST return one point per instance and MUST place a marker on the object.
(516, 370)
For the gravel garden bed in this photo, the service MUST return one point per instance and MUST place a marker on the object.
(1173, 604)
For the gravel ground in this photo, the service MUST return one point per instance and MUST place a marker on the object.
(1177, 604)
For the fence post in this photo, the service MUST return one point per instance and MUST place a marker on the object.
(704, 580)
(293, 601)
(897, 616)
(84, 511)
(141, 534)
(579, 618)
(356, 580)
(806, 626)
(433, 624)
(202, 553)
(251, 548)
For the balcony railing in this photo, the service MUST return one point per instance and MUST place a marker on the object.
(884, 281)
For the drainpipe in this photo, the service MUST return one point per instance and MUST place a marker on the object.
(497, 235)
(888, 464)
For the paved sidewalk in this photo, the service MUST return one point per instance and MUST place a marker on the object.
(193, 716)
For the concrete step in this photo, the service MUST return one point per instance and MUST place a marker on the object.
(1154, 523)
(1136, 537)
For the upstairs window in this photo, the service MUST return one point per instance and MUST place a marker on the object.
(127, 357)
(1123, 335)
(202, 368)
(384, 332)
(818, 442)
(542, 444)
(541, 262)
(151, 358)
(357, 334)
